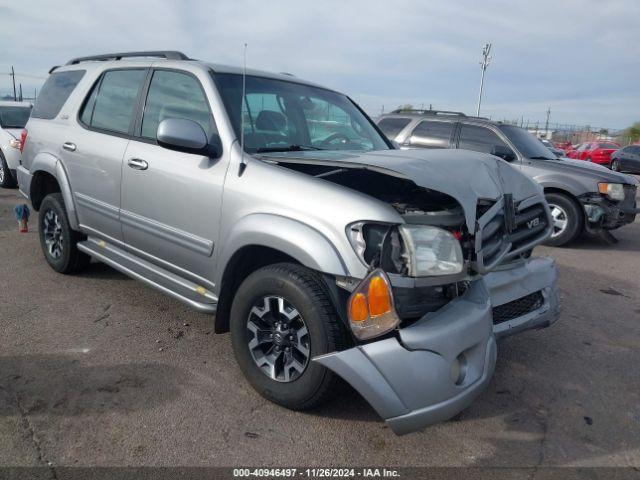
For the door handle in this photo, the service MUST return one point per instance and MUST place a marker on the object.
(137, 164)
(69, 146)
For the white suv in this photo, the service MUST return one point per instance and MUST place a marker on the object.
(13, 118)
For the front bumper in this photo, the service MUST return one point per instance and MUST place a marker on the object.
(412, 380)
(602, 213)
(511, 287)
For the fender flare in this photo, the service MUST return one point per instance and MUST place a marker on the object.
(292, 237)
(46, 162)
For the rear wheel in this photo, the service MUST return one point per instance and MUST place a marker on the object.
(567, 219)
(281, 318)
(6, 179)
(57, 239)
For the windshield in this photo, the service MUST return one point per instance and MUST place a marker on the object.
(278, 115)
(528, 145)
(14, 117)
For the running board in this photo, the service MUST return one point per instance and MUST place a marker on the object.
(196, 296)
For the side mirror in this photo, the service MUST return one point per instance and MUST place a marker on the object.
(187, 136)
(503, 152)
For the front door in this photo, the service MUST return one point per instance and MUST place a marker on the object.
(171, 201)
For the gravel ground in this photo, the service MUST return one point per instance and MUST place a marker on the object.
(98, 370)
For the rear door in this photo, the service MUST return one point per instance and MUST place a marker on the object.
(93, 148)
(171, 204)
(431, 134)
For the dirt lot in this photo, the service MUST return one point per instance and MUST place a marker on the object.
(97, 369)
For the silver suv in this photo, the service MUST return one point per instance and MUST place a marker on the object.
(323, 250)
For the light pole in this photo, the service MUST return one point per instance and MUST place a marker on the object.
(484, 63)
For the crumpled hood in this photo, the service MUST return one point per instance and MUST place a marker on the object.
(464, 175)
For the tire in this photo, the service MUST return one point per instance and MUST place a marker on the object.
(57, 239)
(302, 290)
(564, 208)
(615, 165)
(6, 179)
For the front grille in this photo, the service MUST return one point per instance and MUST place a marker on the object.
(517, 308)
(501, 234)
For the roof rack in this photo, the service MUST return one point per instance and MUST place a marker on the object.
(428, 112)
(168, 54)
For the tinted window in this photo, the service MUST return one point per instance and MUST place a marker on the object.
(608, 145)
(527, 144)
(55, 92)
(175, 95)
(110, 106)
(431, 134)
(481, 139)
(391, 126)
(14, 117)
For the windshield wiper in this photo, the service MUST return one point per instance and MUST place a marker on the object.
(289, 148)
(541, 157)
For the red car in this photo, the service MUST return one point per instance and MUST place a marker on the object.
(596, 152)
(571, 150)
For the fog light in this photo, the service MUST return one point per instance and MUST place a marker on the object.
(459, 369)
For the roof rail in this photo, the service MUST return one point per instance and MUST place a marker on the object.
(168, 54)
(428, 112)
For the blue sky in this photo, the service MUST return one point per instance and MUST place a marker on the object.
(578, 57)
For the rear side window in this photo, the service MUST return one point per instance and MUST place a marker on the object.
(14, 117)
(55, 92)
(608, 145)
(112, 101)
(175, 95)
(478, 139)
(391, 126)
(432, 134)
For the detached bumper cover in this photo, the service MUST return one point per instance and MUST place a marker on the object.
(510, 287)
(435, 369)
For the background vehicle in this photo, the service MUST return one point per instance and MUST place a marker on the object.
(278, 205)
(571, 149)
(558, 152)
(596, 152)
(13, 118)
(626, 159)
(582, 196)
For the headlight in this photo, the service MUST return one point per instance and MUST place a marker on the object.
(615, 191)
(431, 251)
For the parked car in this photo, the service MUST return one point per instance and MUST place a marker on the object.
(13, 118)
(596, 152)
(626, 159)
(582, 196)
(279, 206)
(570, 151)
(558, 152)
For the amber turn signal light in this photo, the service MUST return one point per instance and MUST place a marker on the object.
(370, 307)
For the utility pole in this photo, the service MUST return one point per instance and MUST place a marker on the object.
(484, 63)
(13, 76)
(20, 97)
(546, 124)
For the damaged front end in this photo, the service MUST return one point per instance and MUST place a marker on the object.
(424, 318)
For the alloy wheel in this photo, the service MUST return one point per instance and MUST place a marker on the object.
(278, 339)
(53, 238)
(560, 220)
(615, 166)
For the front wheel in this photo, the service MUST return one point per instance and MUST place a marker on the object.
(281, 318)
(57, 239)
(567, 219)
(615, 165)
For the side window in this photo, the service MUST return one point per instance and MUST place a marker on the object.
(392, 126)
(55, 91)
(175, 95)
(111, 104)
(478, 139)
(431, 134)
